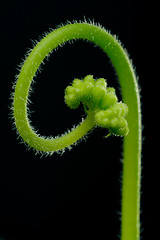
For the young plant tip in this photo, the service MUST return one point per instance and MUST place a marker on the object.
(100, 103)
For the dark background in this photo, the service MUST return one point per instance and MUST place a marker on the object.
(76, 194)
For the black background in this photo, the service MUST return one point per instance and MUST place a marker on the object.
(76, 194)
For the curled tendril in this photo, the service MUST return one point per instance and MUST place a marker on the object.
(101, 105)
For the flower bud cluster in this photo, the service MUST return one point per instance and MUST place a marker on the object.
(109, 113)
(113, 119)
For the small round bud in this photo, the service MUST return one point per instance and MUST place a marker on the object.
(101, 82)
(101, 119)
(88, 89)
(99, 116)
(89, 78)
(120, 109)
(121, 129)
(69, 90)
(109, 99)
(78, 88)
(114, 122)
(71, 98)
(77, 83)
(109, 113)
(98, 94)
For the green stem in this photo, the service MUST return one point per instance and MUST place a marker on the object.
(130, 94)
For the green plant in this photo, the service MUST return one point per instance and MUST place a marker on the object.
(100, 103)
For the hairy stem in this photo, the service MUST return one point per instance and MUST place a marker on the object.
(130, 94)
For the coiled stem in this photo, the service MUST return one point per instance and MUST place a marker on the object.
(130, 96)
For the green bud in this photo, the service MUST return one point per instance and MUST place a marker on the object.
(89, 79)
(95, 95)
(101, 82)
